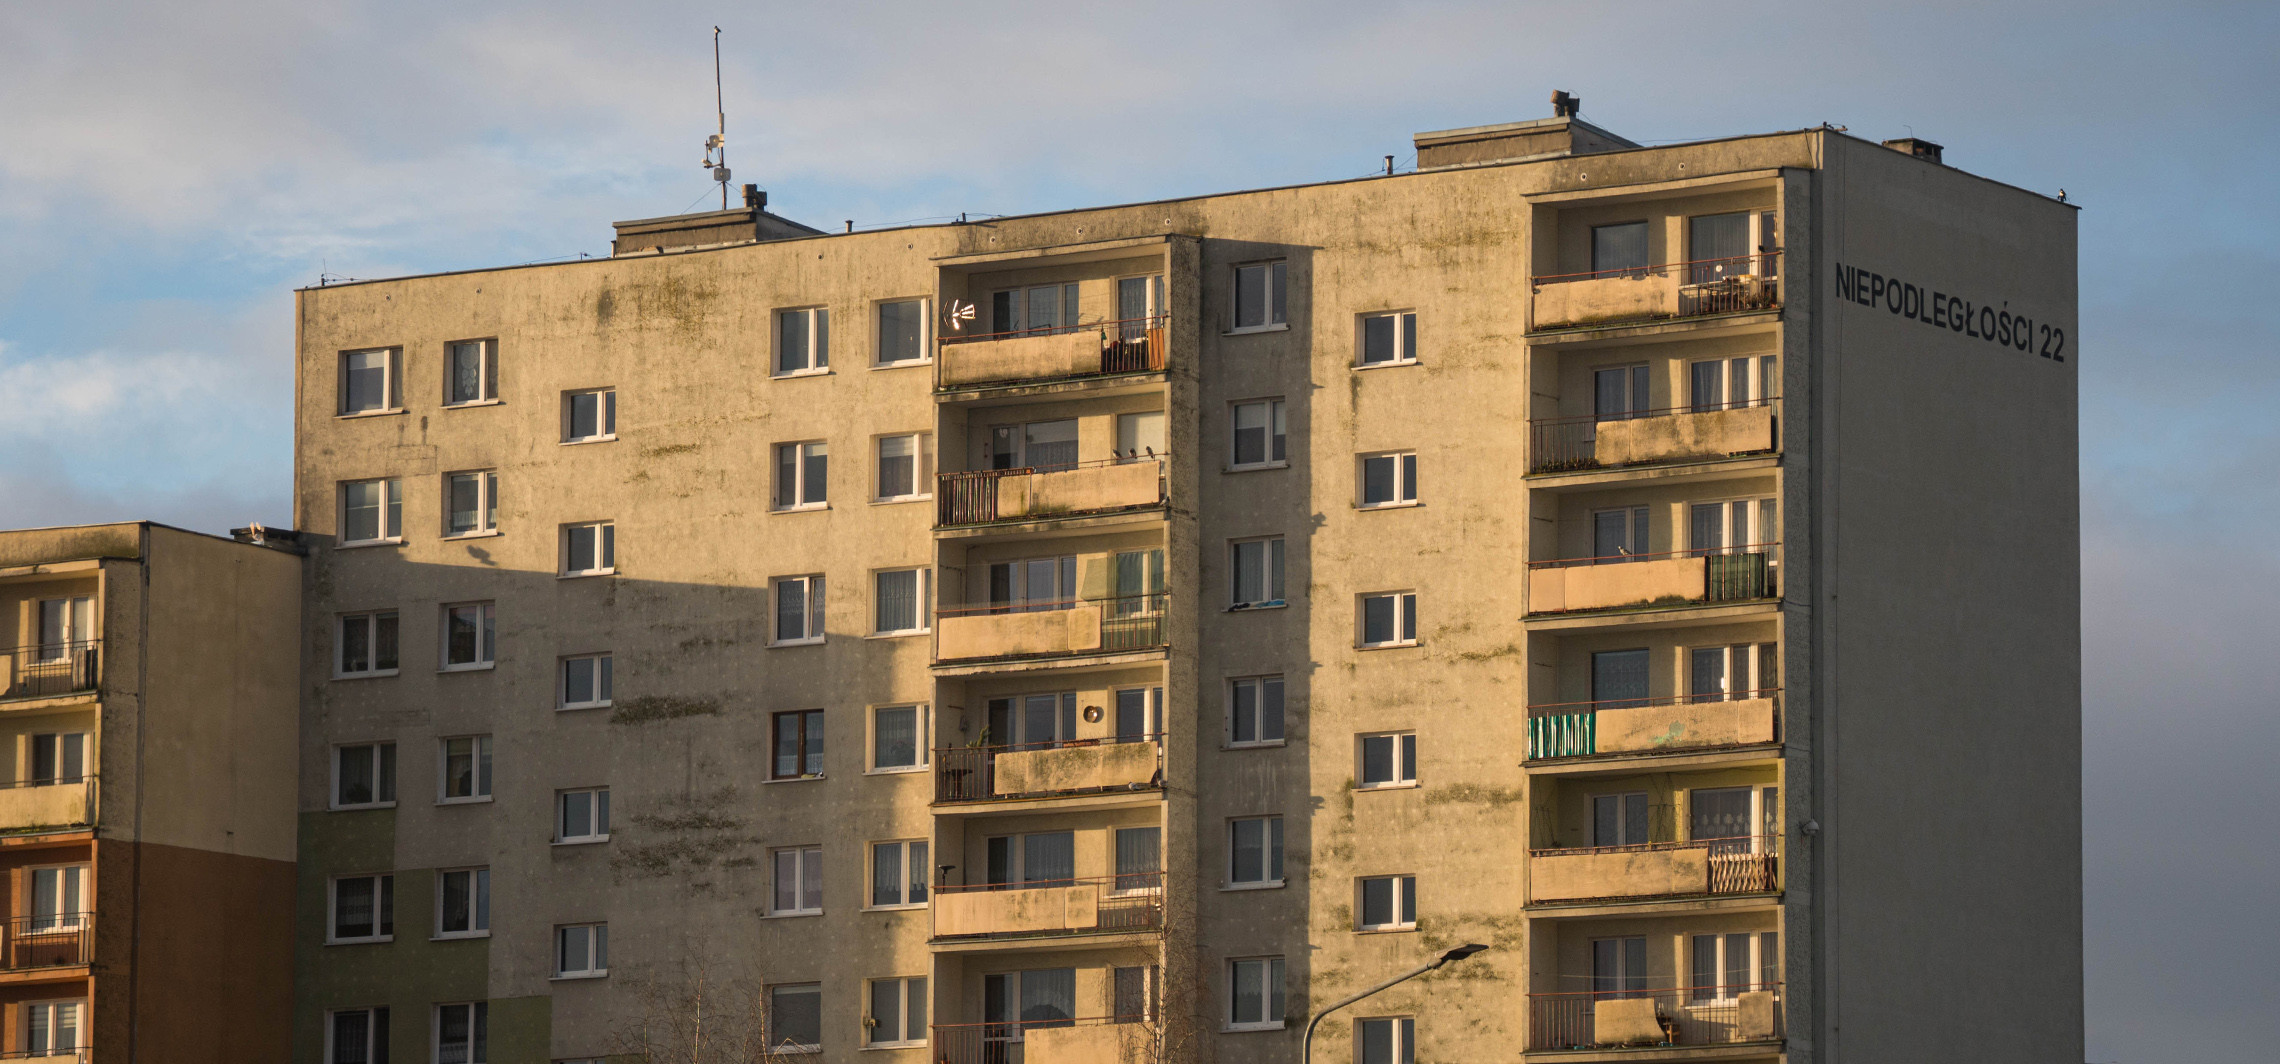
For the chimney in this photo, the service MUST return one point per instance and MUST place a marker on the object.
(1918, 147)
(1564, 105)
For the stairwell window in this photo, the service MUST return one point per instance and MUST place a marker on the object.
(1261, 298)
(471, 373)
(463, 1033)
(1387, 760)
(581, 951)
(803, 475)
(1387, 903)
(586, 681)
(470, 636)
(1259, 437)
(363, 909)
(803, 341)
(582, 815)
(371, 382)
(1389, 1040)
(903, 332)
(464, 770)
(589, 416)
(364, 776)
(1388, 479)
(1257, 573)
(1389, 619)
(371, 511)
(1389, 339)
(1255, 711)
(1255, 852)
(356, 1036)
(898, 1012)
(799, 881)
(1255, 994)
(463, 903)
(471, 503)
(898, 873)
(799, 610)
(366, 646)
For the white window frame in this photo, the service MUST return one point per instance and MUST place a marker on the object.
(1733, 683)
(72, 877)
(921, 467)
(597, 951)
(1758, 512)
(390, 522)
(903, 870)
(486, 637)
(383, 908)
(375, 1018)
(371, 621)
(383, 782)
(597, 802)
(1067, 304)
(822, 1024)
(1404, 754)
(1277, 291)
(64, 624)
(905, 993)
(1404, 339)
(486, 374)
(802, 857)
(479, 749)
(75, 1047)
(1277, 413)
(1724, 995)
(605, 415)
(1273, 976)
(1760, 382)
(1261, 683)
(1404, 906)
(923, 733)
(478, 1018)
(1404, 479)
(603, 681)
(1403, 1031)
(478, 902)
(391, 388)
(879, 333)
(1274, 566)
(816, 360)
(486, 503)
(605, 546)
(813, 619)
(799, 486)
(1272, 852)
(925, 603)
(1404, 619)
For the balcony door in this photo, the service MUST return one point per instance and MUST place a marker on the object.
(1722, 817)
(1139, 713)
(1618, 535)
(1033, 721)
(1034, 583)
(1015, 1001)
(1731, 245)
(1138, 299)
(1139, 860)
(1040, 857)
(1044, 446)
(65, 624)
(59, 898)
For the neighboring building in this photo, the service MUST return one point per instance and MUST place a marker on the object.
(1103, 634)
(148, 697)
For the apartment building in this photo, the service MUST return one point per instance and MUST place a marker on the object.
(149, 699)
(1114, 635)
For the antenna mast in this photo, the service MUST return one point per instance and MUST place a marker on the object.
(716, 146)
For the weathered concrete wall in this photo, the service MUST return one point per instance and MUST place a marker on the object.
(1690, 725)
(1567, 877)
(1709, 434)
(1600, 587)
(1047, 357)
(1075, 768)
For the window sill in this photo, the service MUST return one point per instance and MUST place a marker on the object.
(368, 413)
(816, 642)
(483, 534)
(796, 779)
(893, 1045)
(482, 800)
(360, 941)
(591, 840)
(360, 808)
(584, 573)
(575, 706)
(903, 364)
(1405, 785)
(903, 634)
(1247, 330)
(897, 770)
(795, 914)
(353, 544)
(574, 977)
(913, 907)
(610, 438)
(1253, 467)
(365, 675)
(891, 500)
(795, 1051)
(480, 666)
(1251, 607)
(1263, 744)
(805, 507)
(1385, 646)
(1395, 364)
(1408, 504)
(1396, 929)
(1271, 884)
(457, 936)
(798, 373)
(473, 403)
(1245, 1028)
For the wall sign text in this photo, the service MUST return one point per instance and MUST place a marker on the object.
(1979, 321)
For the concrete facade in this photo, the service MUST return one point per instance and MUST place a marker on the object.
(1723, 598)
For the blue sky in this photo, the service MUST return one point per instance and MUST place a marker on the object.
(168, 173)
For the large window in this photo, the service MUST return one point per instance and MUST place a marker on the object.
(799, 609)
(589, 549)
(356, 1036)
(906, 466)
(1034, 583)
(1387, 1040)
(364, 775)
(1259, 434)
(582, 815)
(1737, 670)
(470, 635)
(1619, 678)
(902, 332)
(1038, 308)
(803, 340)
(581, 951)
(465, 774)
(898, 737)
(1255, 710)
(363, 909)
(1038, 857)
(66, 625)
(1040, 719)
(1389, 339)
(1255, 993)
(1387, 760)
(1261, 295)
(463, 903)
(58, 899)
(799, 744)
(898, 1012)
(1619, 534)
(54, 1028)
(799, 881)
(471, 503)
(1387, 903)
(803, 475)
(589, 415)
(901, 599)
(463, 1033)
(1729, 383)
(1389, 619)
(1723, 967)
(1389, 479)
(1733, 526)
(1257, 572)
(898, 873)
(1619, 392)
(1727, 245)
(1140, 436)
(1139, 859)
(1040, 445)
(370, 382)
(471, 372)
(371, 511)
(1619, 966)
(1255, 851)
(58, 757)
(1619, 248)
(1622, 819)
(795, 1018)
(367, 645)
(586, 681)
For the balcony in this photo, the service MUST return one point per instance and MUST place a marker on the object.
(59, 940)
(1745, 865)
(1648, 294)
(1630, 1019)
(1653, 725)
(1133, 345)
(1652, 437)
(1037, 770)
(50, 670)
(990, 496)
(1047, 630)
(47, 805)
(1101, 905)
(1573, 585)
(1094, 1040)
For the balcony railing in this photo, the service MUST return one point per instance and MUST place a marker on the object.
(1133, 901)
(1084, 1040)
(1094, 349)
(1058, 628)
(1749, 864)
(1028, 770)
(1722, 574)
(1647, 437)
(1689, 1016)
(1660, 292)
(1647, 725)
(45, 805)
(984, 496)
(79, 1055)
(45, 670)
(56, 940)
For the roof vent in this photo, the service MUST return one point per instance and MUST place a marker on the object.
(1564, 105)
(1918, 147)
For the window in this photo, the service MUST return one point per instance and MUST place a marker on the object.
(471, 372)
(59, 899)
(1619, 392)
(1139, 859)
(1619, 967)
(1731, 383)
(1721, 246)
(1388, 903)
(463, 903)
(898, 873)
(1620, 820)
(795, 1018)
(898, 1012)
(1039, 308)
(364, 775)
(898, 737)
(799, 744)
(1392, 1040)
(363, 909)
(1725, 966)
(1259, 436)
(1039, 857)
(371, 511)
(582, 815)
(1133, 994)
(1389, 619)
(463, 1033)
(589, 549)
(581, 951)
(1619, 248)
(471, 503)
(1736, 526)
(1258, 572)
(902, 599)
(370, 382)
(1255, 710)
(1139, 713)
(1140, 436)
(66, 625)
(357, 1036)
(902, 332)
(54, 1028)
(1040, 445)
(1255, 993)
(1261, 301)
(1388, 760)
(1389, 479)
(59, 757)
(466, 774)
(1034, 583)
(906, 466)
(799, 609)
(470, 636)
(1139, 300)
(586, 681)
(1033, 720)
(803, 341)
(1619, 678)
(1255, 852)
(1728, 817)
(1389, 339)
(1739, 670)
(802, 475)
(1618, 535)
(590, 415)
(1026, 1001)
(799, 881)
(367, 645)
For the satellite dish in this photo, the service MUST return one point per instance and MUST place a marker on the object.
(959, 313)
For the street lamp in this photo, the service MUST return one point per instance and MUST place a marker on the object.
(1460, 953)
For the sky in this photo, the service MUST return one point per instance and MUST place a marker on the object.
(170, 172)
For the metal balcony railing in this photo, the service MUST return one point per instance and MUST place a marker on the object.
(1131, 901)
(1127, 345)
(1571, 729)
(56, 940)
(1008, 631)
(969, 773)
(45, 670)
(1687, 1016)
(1566, 444)
(1743, 864)
(1699, 288)
(975, 496)
(1007, 1043)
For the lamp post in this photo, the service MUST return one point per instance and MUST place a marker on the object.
(1457, 954)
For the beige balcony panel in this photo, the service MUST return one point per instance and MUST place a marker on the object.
(1635, 874)
(1069, 491)
(1624, 1021)
(1022, 358)
(1753, 1017)
(1086, 1043)
(1008, 912)
(1641, 729)
(57, 806)
(1606, 299)
(1708, 434)
(1045, 633)
(1600, 587)
(1075, 768)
